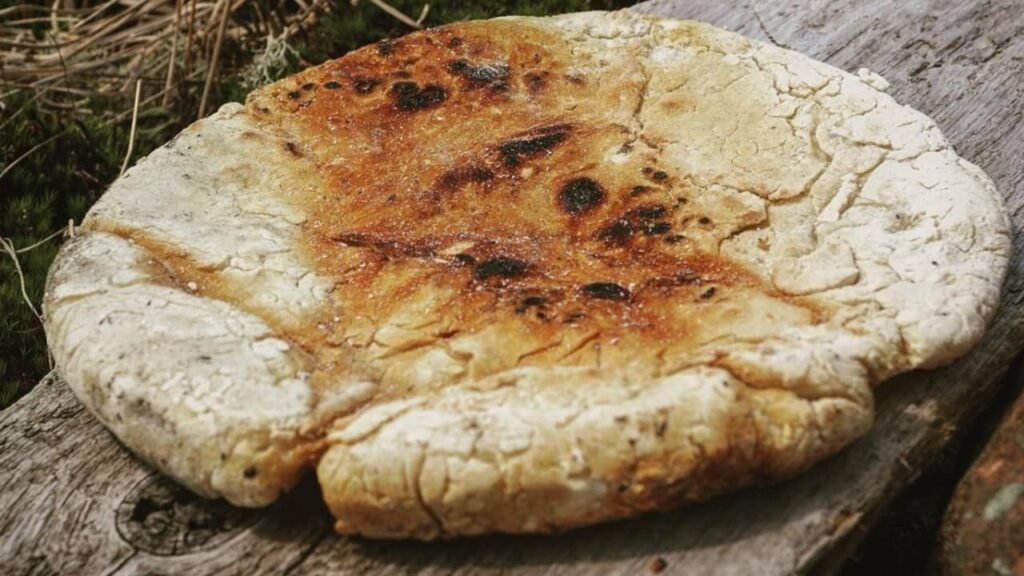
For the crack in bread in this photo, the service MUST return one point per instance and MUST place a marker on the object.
(524, 275)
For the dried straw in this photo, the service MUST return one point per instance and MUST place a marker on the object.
(131, 134)
(177, 49)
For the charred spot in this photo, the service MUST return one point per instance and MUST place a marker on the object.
(708, 293)
(364, 85)
(293, 149)
(687, 277)
(478, 73)
(383, 246)
(656, 228)
(410, 97)
(534, 81)
(514, 151)
(353, 240)
(463, 260)
(455, 42)
(530, 302)
(605, 291)
(308, 86)
(500, 267)
(249, 472)
(386, 47)
(427, 97)
(500, 87)
(295, 95)
(404, 88)
(574, 317)
(704, 220)
(684, 278)
(659, 175)
(639, 190)
(459, 177)
(643, 219)
(675, 238)
(580, 195)
(332, 85)
(617, 232)
(652, 212)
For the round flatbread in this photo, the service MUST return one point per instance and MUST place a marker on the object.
(522, 275)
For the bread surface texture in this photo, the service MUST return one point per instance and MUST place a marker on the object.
(524, 275)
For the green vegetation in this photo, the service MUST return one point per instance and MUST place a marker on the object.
(47, 187)
(56, 162)
(344, 30)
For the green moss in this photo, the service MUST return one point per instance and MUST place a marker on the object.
(38, 195)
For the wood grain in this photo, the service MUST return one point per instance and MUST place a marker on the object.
(75, 502)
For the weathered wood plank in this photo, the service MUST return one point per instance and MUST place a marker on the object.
(983, 529)
(74, 501)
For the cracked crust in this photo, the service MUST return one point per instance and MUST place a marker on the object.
(525, 274)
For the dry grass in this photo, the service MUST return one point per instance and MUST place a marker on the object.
(77, 49)
(72, 50)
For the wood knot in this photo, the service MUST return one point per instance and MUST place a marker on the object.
(164, 519)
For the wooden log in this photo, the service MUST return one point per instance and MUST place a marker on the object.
(983, 530)
(74, 501)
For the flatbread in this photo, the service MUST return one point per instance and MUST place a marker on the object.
(523, 275)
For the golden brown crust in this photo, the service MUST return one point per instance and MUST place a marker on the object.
(491, 173)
